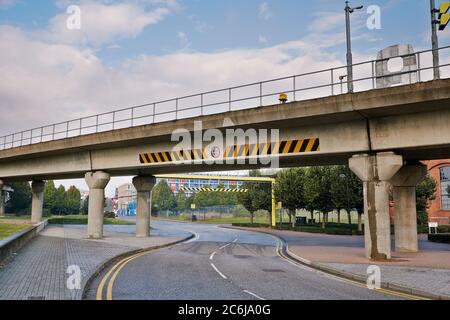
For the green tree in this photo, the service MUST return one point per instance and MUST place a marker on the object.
(258, 197)
(163, 197)
(73, 201)
(289, 190)
(425, 192)
(20, 202)
(60, 201)
(50, 197)
(245, 199)
(85, 206)
(318, 191)
(181, 200)
(347, 191)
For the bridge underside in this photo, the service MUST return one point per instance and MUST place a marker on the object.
(384, 133)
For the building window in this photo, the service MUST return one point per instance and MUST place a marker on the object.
(445, 182)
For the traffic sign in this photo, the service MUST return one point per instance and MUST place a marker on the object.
(444, 15)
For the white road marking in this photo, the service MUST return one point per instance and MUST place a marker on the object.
(235, 240)
(218, 271)
(196, 236)
(212, 256)
(253, 294)
(223, 247)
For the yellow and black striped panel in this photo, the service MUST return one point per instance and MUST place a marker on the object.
(214, 190)
(239, 151)
(171, 156)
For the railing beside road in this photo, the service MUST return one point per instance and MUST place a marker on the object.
(304, 86)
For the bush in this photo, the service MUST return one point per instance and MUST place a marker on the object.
(261, 213)
(110, 215)
(249, 225)
(239, 211)
(442, 229)
(440, 237)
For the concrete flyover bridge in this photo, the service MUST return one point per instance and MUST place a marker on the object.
(382, 133)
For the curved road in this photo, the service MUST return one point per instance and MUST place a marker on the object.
(222, 264)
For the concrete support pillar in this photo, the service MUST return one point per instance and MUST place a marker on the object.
(375, 171)
(405, 218)
(143, 185)
(37, 202)
(96, 181)
(2, 199)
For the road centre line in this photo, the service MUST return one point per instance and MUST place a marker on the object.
(211, 257)
(218, 271)
(255, 295)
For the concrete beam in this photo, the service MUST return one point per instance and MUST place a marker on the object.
(96, 181)
(404, 183)
(37, 202)
(375, 172)
(412, 120)
(143, 185)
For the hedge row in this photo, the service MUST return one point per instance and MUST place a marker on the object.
(335, 229)
(439, 237)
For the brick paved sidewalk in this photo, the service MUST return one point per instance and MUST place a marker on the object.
(38, 271)
(428, 270)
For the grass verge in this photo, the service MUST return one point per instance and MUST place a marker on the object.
(8, 229)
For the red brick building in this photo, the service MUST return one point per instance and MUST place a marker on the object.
(439, 210)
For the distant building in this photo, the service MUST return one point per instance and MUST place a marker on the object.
(440, 207)
(439, 210)
(126, 196)
(176, 184)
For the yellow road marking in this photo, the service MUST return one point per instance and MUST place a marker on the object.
(105, 278)
(113, 278)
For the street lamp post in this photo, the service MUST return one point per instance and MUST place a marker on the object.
(434, 40)
(349, 10)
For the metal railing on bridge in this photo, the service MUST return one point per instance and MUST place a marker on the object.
(316, 84)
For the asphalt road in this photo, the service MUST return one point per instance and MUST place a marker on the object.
(223, 264)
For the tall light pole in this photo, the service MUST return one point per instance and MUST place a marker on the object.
(434, 39)
(349, 10)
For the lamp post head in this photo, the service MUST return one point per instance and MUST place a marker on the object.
(350, 9)
(342, 176)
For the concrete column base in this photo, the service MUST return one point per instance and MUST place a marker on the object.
(405, 216)
(37, 202)
(96, 181)
(143, 185)
(375, 172)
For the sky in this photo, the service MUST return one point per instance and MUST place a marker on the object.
(132, 52)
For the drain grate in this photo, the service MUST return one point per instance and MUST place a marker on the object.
(36, 298)
(273, 270)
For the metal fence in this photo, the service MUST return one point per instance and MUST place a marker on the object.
(297, 87)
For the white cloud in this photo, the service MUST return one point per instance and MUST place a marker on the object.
(4, 4)
(262, 39)
(184, 41)
(264, 11)
(64, 82)
(105, 22)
